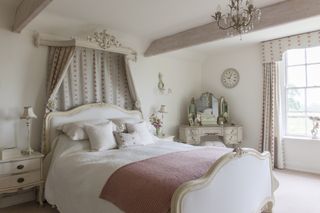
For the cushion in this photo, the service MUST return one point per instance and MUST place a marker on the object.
(127, 139)
(101, 136)
(76, 130)
(142, 129)
(121, 123)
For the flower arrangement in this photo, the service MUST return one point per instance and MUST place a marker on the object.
(316, 126)
(156, 122)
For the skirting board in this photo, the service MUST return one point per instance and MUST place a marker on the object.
(16, 198)
(302, 169)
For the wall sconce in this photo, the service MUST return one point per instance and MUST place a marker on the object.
(161, 86)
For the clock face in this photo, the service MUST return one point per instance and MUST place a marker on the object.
(230, 78)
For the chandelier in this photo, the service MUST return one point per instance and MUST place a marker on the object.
(240, 18)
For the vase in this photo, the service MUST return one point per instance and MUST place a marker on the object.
(157, 131)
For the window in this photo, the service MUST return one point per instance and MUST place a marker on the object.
(302, 90)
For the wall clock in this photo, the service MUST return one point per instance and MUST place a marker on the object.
(230, 78)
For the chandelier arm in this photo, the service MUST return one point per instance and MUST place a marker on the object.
(248, 22)
(224, 28)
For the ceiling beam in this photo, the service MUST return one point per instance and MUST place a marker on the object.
(26, 12)
(273, 15)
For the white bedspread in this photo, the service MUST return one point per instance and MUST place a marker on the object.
(77, 176)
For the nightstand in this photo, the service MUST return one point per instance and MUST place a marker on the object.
(22, 173)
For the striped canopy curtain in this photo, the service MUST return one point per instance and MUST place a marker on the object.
(59, 60)
(270, 139)
(96, 76)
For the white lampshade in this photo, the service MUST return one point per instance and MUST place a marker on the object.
(163, 109)
(28, 113)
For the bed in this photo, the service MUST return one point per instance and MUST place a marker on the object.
(240, 181)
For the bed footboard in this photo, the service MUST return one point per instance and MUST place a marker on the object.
(239, 182)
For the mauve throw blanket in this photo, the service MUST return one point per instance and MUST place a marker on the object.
(147, 186)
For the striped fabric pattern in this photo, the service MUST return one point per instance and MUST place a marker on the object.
(270, 140)
(273, 50)
(95, 76)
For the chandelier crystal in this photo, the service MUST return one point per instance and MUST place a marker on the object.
(240, 19)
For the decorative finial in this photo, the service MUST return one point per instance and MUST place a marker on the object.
(104, 40)
(238, 150)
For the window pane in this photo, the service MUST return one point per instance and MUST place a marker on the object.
(296, 100)
(314, 75)
(296, 76)
(295, 57)
(296, 114)
(313, 100)
(313, 55)
(296, 126)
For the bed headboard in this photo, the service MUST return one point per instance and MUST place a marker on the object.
(81, 113)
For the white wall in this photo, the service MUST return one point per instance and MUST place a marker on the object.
(245, 100)
(302, 155)
(182, 76)
(22, 82)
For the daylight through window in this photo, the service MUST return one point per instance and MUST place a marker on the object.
(302, 90)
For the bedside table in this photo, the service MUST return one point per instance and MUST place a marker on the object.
(21, 173)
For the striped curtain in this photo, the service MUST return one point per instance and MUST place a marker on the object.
(270, 139)
(59, 60)
(95, 76)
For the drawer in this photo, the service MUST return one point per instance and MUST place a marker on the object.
(191, 132)
(193, 140)
(231, 139)
(231, 131)
(19, 166)
(211, 131)
(19, 180)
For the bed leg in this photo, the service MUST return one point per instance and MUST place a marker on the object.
(268, 208)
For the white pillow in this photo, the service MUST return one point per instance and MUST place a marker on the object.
(127, 139)
(76, 130)
(142, 129)
(101, 136)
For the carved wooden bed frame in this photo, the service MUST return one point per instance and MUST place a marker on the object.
(239, 182)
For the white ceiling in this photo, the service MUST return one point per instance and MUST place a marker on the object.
(149, 19)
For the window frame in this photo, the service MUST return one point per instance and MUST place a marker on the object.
(284, 91)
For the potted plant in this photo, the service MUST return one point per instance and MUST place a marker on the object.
(156, 122)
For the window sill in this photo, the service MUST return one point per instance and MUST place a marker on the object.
(302, 139)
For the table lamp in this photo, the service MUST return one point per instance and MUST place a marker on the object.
(27, 115)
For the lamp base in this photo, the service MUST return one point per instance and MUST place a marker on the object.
(27, 151)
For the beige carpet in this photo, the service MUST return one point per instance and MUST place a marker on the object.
(31, 207)
(298, 193)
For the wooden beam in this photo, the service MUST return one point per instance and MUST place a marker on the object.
(27, 11)
(273, 15)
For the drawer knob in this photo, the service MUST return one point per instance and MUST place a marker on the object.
(20, 166)
(20, 180)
